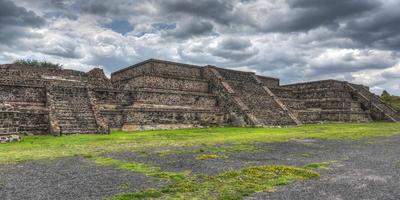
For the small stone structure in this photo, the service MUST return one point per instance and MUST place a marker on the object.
(157, 94)
(9, 138)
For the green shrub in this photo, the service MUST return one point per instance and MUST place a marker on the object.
(36, 63)
(392, 100)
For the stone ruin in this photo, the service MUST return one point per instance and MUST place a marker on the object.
(157, 94)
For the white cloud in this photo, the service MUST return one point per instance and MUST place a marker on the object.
(273, 38)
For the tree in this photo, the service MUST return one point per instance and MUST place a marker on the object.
(385, 94)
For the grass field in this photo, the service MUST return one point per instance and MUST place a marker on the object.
(49, 147)
(179, 161)
(392, 100)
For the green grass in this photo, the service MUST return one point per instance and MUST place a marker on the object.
(210, 156)
(227, 185)
(211, 149)
(392, 100)
(37, 63)
(49, 147)
(321, 165)
(140, 167)
(233, 184)
(306, 155)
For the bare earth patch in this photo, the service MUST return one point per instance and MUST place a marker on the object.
(348, 170)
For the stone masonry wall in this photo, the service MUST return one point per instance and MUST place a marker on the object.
(157, 67)
(160, 94)
(21, 93)
(323, 101)
(158, 82)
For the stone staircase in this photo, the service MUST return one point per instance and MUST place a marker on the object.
(251, 98)
(229, 100)
(311, 104)
(70, 110)
(277, 101)
(379, 109)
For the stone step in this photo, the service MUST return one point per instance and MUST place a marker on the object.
(78, 131)
(74, 121)
(331, 111)
(72, 105)
(63, 128)
(85, 114)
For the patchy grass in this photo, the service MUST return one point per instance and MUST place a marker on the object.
(321, 165)
(228, 185)
(49, 147)
(140, 167)
(210, 156)
(234, 184)
(306, 155)
(211, 149)
(392, 100)
(148, 194)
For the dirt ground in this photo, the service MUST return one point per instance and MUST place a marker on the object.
(365, 169)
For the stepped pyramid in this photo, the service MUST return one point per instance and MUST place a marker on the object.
(157, 94)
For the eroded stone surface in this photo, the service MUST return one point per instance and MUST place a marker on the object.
(160, 94)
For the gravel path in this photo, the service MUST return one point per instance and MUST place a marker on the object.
(366, 169)
(68, 178)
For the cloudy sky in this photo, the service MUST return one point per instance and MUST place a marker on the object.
(295, 40)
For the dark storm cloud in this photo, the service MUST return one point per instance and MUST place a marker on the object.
(99, 7)
(341, 66)
(14, 20)
(305, 15)
(72, 9)
(235, 44)
(379, 30)
(217, 10)
(296, 40)
(120, 26)
(191, 29)
(235, 49)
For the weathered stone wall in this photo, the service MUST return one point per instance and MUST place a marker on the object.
(97, 79)
(30, 75)
(160, 94)
(323, 101)
(34, 122)
(22, 93)
(173, 117)
(315, 85)
(111, 104)
(238, 114)
(175, 98)
(9, 120)
(114, 97)
(269, 82)
(252, 99)
(162, 82)
(167, 94)
(157, 67)
(115, 118)
(27, 103)
(236, 75)
(333, 116)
